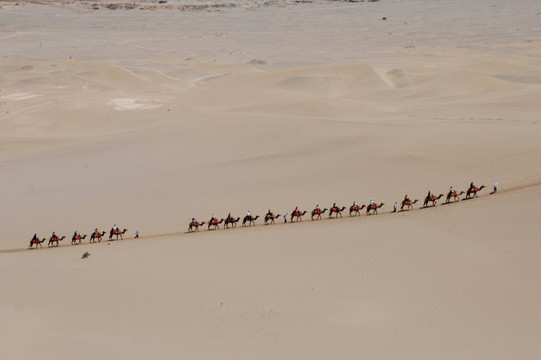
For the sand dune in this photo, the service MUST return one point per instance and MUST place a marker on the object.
(145, 118)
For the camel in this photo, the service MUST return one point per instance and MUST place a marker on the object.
(373, 207)
(231, 221)
(433, 199)
(96, 235)
(318, 213)
(55, 239)
(116, 232)
(76, 240)
(36, 241)
(336, 210)
(472, 192)
(215, 223)
(355, 209)
(297, 214)
(271, 217)
(194, 225)
(408, 203)
(250, 220)
(454, 195)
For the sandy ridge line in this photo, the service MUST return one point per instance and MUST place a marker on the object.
(326, 218)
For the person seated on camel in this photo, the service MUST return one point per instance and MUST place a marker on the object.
(229, 217)
(269, 213)
(53, 236)
(472, 186)
(406, 199)
(334, 206)
(354, 204)
(194, 221)
(35, 237)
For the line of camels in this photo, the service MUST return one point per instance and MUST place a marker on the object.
(270, 217)
(77, 238)
(316, 214)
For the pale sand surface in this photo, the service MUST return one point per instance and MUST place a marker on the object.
(146, 118)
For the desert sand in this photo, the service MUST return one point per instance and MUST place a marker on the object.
(150, 114)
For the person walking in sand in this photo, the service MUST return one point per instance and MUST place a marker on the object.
(137, 234)
(395, 206)
(285, 218)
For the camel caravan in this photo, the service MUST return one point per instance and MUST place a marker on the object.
(296, 215)
(77, 238)
(335, 211)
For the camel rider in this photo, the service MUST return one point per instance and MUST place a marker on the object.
(193, 220)
(35, 237)
(472, 186)
(406, 199)
(114, 227)
(213, 217)
(428, 196)
(371, 202)
(53, 236)
(317, 208)
(354, 203)
(248, 214)
(75, 234)
(269, 213)
(296, 210)
(334, 205)
(229, 216)
(451, 191)
(96, 231)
